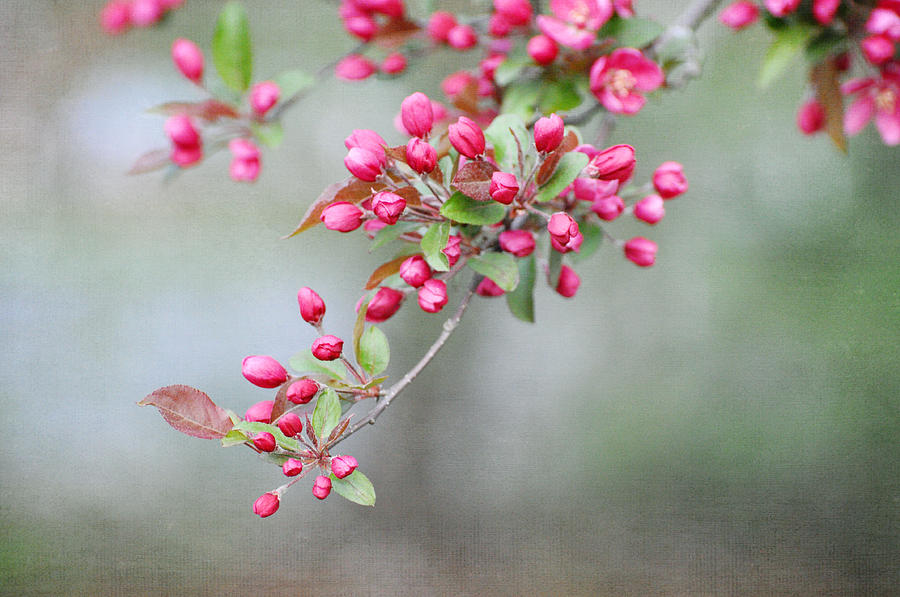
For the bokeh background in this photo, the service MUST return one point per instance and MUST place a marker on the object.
(725, 422)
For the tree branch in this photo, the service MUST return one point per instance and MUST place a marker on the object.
(696, 12)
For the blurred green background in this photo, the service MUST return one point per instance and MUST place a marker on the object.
(725, 422)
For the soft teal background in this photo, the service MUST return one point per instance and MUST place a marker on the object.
(723, 423)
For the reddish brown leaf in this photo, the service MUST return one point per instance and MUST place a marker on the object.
(190, 411)
(824, 78)
(352, 189)
(339, 430)
(569, 142)
(467, 99)
(150, 161)
(280, 401)
(474, 179)
(384, 270)
(210, 110)
(395, 32)
(410, 194)
(396, 153)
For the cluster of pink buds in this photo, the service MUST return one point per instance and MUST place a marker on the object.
(120, 15)
(370, 20)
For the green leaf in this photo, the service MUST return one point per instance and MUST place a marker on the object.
(499, 267)
(434, 241)
(633, 32)
(593, 237)
(554, 267)
(231, 49)
(510, 69)
(374, 351)
(233, 438)
(788, 44)
(253, 427)
(568, 169)
(465, 210)
(500, 135)
(292, 82)
(359, 326)
(825, 44)
(269, 134)
(327, 413)
(521, 99)
(356, 487)
(305, 362)
(559, 96)
(521, 300)
(446, 164)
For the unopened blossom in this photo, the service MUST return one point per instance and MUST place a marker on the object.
(292, 467)
(782, 8)
(810, 117)
(302, 391)
(354, 68)
(363, 164)
(264, 442)
(498, 25)
(592, 189)
(263, 96)
(415, 271)
(467, 137)
(342, 216)
(245, 164)
(417, 114)
(115, 18)
(488, 288)
(321, 487)
(885, 20)
(420, 155)
(877, 49)
(504, 187)
(878, 99)
(608, 208)
(669, 180)
(453, 250)
(370, 141)
(542, 49)
(188, 59)
(261, 412)
(266, 504)
(824, 10)
(327, 348)
(620, 79)
(613, 163)
(624, 8)
(388, 206)
(439, 25)
(517, 12)
(362, 26)
(312, 307)
(433, 295)
(564, 233)
(455, 83)
(384, 304)
(462, 37)
(394, 63)
(650, 209)
(519, 243)
(144, 13)
(575, 23)
(263, 371)
(738, 15)
(641, 251)
(290, 424)
(568, 282)
(548, 133)
(343, 466)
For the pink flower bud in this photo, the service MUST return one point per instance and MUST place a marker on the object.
(542, 49)
(180, 129)
(244, 165)
(369, 140)
(562, 227)
(669, 180)
(624, 8)
(388, 206)
(466, 137)
(433, 295)
(261, 412)
(354, 68)
(782, 8)
(613, 163)
(415, 271)
(453, 249)
(264, 442)
(517, 12)
(145, 12)
(462, 37)
(302, 391)
(417, 115)
(885, 19)
(650, 209)
(499, 26)
(568, 282)
(188, 59)
(292, 467)
(592, 189)
(548, 133)
(263, 371)
(266, 504)
(393, 64)
(439, 25)
(574, 244)
(824, 10)
(263, 96)
(115, 18)
(290, 424)
(372, 227)
(490, 64)
(362, 26)
(420, 155)
(877, 49)
(384, 304)
(739, 15)
(810, 117)
(312, 307)
(608, 208)
(343, 466)
(363, 164)
(184, 156)
(321, 487)
(489, 288)
(641, 251)
(327, 348)
(390, 8)
(453, 84)
(504, 187)
(518, 242)
(342, 216)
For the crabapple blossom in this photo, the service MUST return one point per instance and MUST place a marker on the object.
(499, 26)
(354, 67)
(568, 282)
(877, 49)
(462, 37)
(266, 504)
(327, 347)
(302, 391)
(504, 187)
(244, 165)
(810, 117)
(417, 114)
(388, 206)
(263, 96)
(290, 424)
(263, 371)
(878, 98)
(575, 23)
(384, 304)
(292, 467)
(591, 189)
(669, 180)
(782, 8)
(394, 63)
(342, 216)
(261, 412)
(824, 10)
(562, 227)
(608, 208)
(369, 140)
(362, 26)
(415, 271)
(640, 251)
(542, 49)
(115, 18)
(343, 466)
(517, 12)
(519, 243)
(467, 137)
(321, 487)
(488, 288)
(439, 25)
(188, 59)
(363, 164)
(433, 295)
(650, 209)
(312, 307)
(738, 15)
(420, 155)
(548, 133)
(144, 13)
(265, 442)
(614, 163)
(619, 79)
(453, 250)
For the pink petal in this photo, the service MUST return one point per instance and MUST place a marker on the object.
(628, 105)
(565, 34)
(856, 85)
(859, 114)
(888, 124)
